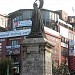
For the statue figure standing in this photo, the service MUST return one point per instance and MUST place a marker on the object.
(37, 22)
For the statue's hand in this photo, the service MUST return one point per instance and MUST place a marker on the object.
(41, 3)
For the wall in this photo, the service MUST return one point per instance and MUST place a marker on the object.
(56, 51)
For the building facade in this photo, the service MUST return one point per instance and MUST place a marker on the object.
(58, 31)
(3, 23)
(19, 23)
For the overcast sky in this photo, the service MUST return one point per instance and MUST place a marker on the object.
(8, 6)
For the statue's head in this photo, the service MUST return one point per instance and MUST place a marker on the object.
(40, 5)
(35, 5)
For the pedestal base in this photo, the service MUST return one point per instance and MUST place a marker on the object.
(36, 60)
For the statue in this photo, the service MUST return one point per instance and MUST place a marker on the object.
(37, 28)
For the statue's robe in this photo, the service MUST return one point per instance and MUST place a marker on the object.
(37, 22)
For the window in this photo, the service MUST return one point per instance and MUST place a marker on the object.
(2, 20)
(14, 42)
(70, 35)
(0, 46)
(64, 53)
(64, 40)
(71, 28)
(0, 52)
(20, 18)
(0, 49)
(27, 15)
(57, 17)
(50, 15)
(17, 18)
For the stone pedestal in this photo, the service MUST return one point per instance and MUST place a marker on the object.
(35, 57)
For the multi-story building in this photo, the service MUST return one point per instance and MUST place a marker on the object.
(24, 15)
(63, 15)
(71, 20)
(19, 23)
(67, 33)
(57, 32)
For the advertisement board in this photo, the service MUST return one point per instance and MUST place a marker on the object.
(22, 23)
(71, 48)
(25, 23)
(14, 33)
(71, 42)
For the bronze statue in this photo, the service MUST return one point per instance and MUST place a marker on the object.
(37, 22)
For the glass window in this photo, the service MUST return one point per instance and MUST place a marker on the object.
(47, 15)
(14, 42)
(74, 37)
(57, 17)
(64, 40)
(71, 28)
(70, 35)
(27, 15)
(20, 18)
(2, 20)
(50, 15)
(43, 15)
(17, 18)
(0, 49)
(0, 46)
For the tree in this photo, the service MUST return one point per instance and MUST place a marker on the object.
(63, 69)
(60, 70)
(4, 66)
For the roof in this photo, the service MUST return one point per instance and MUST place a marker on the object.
(20, 10)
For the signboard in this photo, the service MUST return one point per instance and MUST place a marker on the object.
(12, 47)
(22, 23)
(71, 59)
(14, 33)
(71, 50)
(71, 42)
(25, 23)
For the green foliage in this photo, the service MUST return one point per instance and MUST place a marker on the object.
(3, 66)
(60, 70)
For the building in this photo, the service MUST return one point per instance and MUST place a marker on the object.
(58, 32)
(49, 19)
(3, 28)
(3, 23)
(19, 23)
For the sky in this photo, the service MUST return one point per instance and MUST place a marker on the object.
(8, 6)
